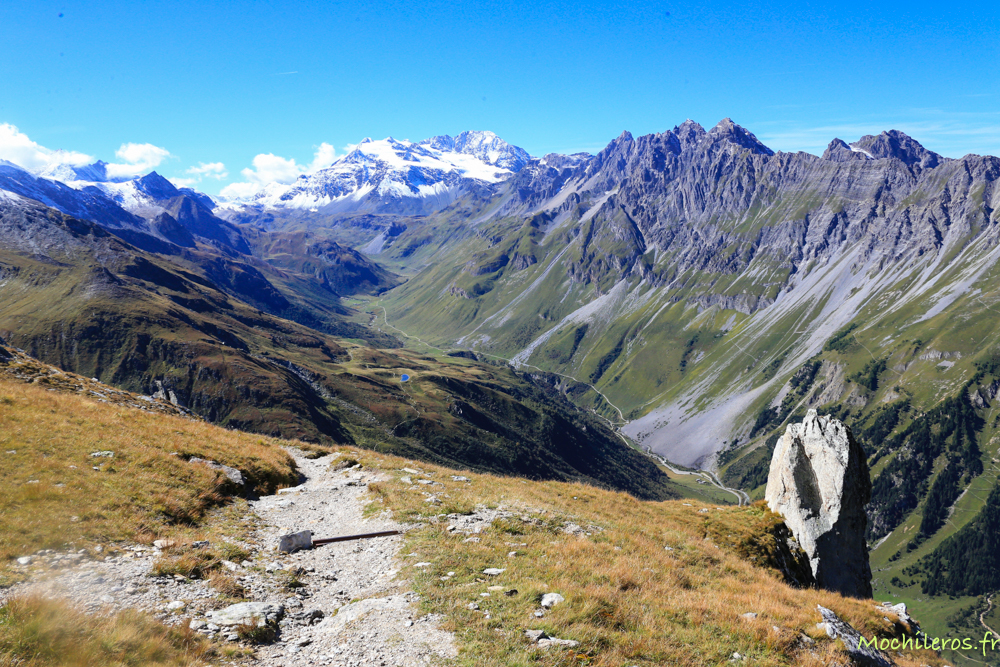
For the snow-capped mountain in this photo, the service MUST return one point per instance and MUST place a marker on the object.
(88, 173)
(82, 202)
(142, 195)
(146, 211)
(401, 176)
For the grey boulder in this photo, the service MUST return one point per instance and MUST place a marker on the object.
(248, 613)
(295, 541)
(866, 656)
(819, 482)
(234, 475)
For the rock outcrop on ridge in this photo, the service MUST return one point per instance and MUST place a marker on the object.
(819, 482)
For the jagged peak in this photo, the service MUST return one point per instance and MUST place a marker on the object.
(899, 145)
(485, 134)
(689, 124)
(442, 142)
(840, 151)
(153, 178)
(689, 133)
(728, 130)
(156, 186)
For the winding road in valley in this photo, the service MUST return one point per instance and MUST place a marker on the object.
(710, 477)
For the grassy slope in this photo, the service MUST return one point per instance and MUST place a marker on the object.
(627, 598)
(54, 498)
(488, 418)
(54, 495)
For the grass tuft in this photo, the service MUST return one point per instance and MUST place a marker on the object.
(252, 633)
(37, 631)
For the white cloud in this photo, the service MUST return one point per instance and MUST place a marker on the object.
(215, 170)
(240, 190)
(138, 158)
(16, 147)
(184, 182)
(324, 157)
(270, 168)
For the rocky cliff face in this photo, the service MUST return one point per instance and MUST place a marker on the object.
(819, 482)
(691, 232)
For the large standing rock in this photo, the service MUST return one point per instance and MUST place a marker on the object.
(819, 482)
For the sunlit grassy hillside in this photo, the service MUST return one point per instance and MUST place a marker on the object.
(645, 583)
(57, 495)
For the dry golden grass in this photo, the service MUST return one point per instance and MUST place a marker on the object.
(35, 632)
(629, 601)
(52, 497)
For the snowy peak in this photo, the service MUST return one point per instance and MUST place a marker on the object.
(96, 172)
(484, 146)
(493, 150)
(413, 177)
(443, 153)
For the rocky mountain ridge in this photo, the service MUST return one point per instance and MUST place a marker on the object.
(716, 219)
(706, 292)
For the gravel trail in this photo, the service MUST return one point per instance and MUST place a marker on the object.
(382, 626)
(342, 603)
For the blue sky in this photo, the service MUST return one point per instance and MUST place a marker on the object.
(180, 84)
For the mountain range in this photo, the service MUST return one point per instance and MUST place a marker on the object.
(690, 292)
(390, 176)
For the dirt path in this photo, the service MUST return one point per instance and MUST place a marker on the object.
(742, 497)
(381, 626)
(982, 622)
(345, 606)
